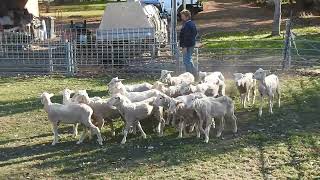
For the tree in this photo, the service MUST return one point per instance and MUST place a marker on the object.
(276, 18)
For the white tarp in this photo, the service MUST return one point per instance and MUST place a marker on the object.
(124, 15)
(33, 7)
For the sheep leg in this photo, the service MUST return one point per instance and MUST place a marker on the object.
(160, 127)
(75, 130)
(143, 134)
(99, 122)
(173, 122)
(261, 104)
(125, 131)
(234, 124)
(221, 127)
(223, 90)
(113, 132)
(192, 128)
(271, 104)
(83, 135)
(279, 97)
(181, 128)
(253, 95)
(198, 131)
(93, 129)
(207, 130)
(248, 96)
(55, 134)
(96, 131)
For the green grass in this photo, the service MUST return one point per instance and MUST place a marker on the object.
(283, 145)
(82, 9)
(256, 39)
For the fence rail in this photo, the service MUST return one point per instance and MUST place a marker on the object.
(136, 51)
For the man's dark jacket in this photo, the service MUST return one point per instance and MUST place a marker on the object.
(188, 34)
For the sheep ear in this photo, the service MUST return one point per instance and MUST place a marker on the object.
(51, 95)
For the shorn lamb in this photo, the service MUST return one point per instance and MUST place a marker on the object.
(69, 114)
(66, 99)
(101, 111)
(216, 78)
(245, 85)
(268, 86)
(133, 87)
(217, 108)
(208, 89)
(173, 81)
(118, 88)
(132, 112)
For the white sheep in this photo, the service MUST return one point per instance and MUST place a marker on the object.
(268, 86)
(118, 88)
(205, 88)
(164, 73)
(101, 111)
(172, 91)
(133, 112)
(182, 78)
(186, 116)
(69, 114)
(66, 99)
(245, 85)
(216, 78)
(202, 75)
(218, 108)
(133, 87)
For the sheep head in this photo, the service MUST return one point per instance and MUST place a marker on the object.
(45, 97)
(185, 88)
(173, 105)
(260, 74)
(160, 100)
(67, 92)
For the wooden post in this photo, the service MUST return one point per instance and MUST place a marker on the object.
(287, 47)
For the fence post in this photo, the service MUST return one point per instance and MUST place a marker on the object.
(70, 60)
(287, 47)
(50, 59)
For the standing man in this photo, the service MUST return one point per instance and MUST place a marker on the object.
(187, 39)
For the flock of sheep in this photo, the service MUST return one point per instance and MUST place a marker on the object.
(176, 101)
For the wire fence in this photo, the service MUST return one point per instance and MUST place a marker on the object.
(78, 51)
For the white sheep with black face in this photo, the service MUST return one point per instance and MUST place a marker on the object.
(69, 114)
(268, 86)
(245, 85)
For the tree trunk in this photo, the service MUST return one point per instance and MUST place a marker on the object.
(276, 18)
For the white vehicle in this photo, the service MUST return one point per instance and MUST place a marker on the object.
(194, 6)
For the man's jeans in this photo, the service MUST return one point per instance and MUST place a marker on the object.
(187, 60)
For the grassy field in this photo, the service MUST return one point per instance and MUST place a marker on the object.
(283, 145)
(257, 38)
(84, 10)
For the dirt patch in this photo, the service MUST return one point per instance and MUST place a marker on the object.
(222, 15)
